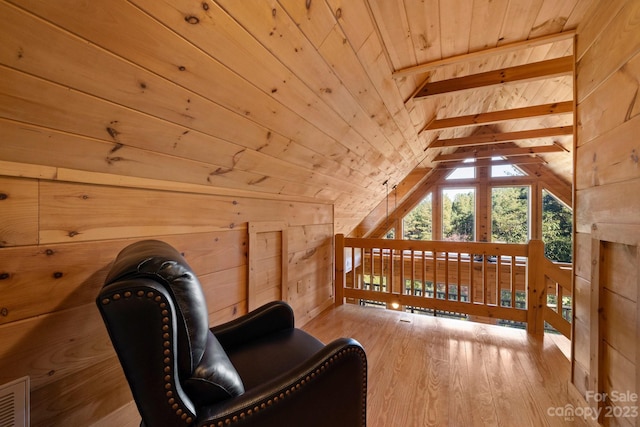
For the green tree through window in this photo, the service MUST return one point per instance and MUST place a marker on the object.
(510, 214)
(557, 228)
(458, 214)
(417, 224)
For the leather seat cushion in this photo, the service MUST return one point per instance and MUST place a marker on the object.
(279, 352)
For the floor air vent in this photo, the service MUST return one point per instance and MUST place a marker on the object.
(14, 403)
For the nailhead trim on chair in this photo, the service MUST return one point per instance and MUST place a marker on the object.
(182, 413)
(296, 387)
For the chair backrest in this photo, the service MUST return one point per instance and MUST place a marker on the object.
(160, 262)
(156, 314)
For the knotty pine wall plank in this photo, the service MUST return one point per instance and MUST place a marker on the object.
(309, 236)
(19, 207)
(381, 46)
(619, 380)
(268, 244)
(619, 162)
(366, 84)
(485, 11)
(455, 28)
(49, 289)
(160, 97)
(51, 346)
(606, 192)
(139, 213)
(618, 278)
(226, 293)
(620, 326)
(611, 50)
(611, 104)
(109, 39)
(618, 202)
(25, 143)
(76, 271)
(372, 52)
(552, 17)
(582, 263)
(400, 51)
(275, 79)
(312, 262)
(337, 128)
(521, 16)
(272, 27)
(596, 20)
(36, 101)
(81, 397)
(345, 63)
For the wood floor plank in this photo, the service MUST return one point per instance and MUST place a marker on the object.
(434, 371)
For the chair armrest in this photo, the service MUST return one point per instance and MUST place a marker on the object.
(329, 389)
(267, 319)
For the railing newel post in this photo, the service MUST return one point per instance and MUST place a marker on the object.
(535, 288)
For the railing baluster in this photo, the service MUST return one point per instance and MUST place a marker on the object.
(373, 269)
(339, 267)
(446, 276)
(559, 295)
(402, 273)
(472, 294)
(459, 277)
(424, 273)
(485, 279)
(353, 268)
(413, 272)
(435, 274)
(499, 280)
(361, 269)
(382, 274)
(392, 272)
(513, 281)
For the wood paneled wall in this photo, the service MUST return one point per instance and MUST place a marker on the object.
(114, 128)
(607, 198)
(59, 240)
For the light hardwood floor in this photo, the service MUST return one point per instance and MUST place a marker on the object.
(433, 371)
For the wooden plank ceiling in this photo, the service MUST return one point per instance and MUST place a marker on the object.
(321, 100)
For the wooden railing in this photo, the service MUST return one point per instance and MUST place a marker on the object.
(500, 281)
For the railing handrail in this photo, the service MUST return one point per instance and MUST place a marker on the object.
(439, 246)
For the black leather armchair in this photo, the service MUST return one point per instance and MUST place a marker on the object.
(256, 370)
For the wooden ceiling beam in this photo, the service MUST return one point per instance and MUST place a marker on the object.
(486, 53)
(517, 160)
(501, 116)
(518, 74)
(491, 138)
(498, 152)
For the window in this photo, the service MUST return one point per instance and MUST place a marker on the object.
(510, 214)
(499, 171)
(417, 224)
(557, 226)
(462, 173)
(458, 214)
(505, 170)
(465, 172)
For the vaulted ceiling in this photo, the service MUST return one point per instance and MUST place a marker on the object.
(318, 100)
